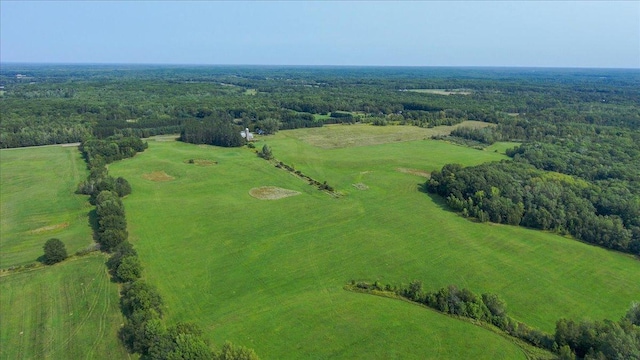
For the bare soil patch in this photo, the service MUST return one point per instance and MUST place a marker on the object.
(158, 176)
(417, 172)
(271, 193)
(49, 228)
(360, 186)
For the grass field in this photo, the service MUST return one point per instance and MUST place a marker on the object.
(340, 136)
(269, 274)
(442, 91)
(66, 311)
(37, 202)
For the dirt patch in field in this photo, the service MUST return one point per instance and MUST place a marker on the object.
(158, 176)
(415, 172)
(360, 186)
(49, 228)
(272, 193)
(201, 162)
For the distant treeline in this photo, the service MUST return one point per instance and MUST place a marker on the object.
(71, 103)
(585, 339)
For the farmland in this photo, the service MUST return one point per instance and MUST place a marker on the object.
(38, 202)
(269, 274)
(260, 252)
(67, 311)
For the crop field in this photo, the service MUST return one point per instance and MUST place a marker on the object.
(66, 311)
(37, 202)
(269, 274)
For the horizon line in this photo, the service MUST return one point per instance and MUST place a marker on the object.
(313, 65)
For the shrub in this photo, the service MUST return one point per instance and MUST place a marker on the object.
(54, 251)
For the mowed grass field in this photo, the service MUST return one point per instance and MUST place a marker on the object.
(37, 202)
(268, 274)
(66, 311)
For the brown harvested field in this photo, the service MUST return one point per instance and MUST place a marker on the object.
(415, 172)
(158, 176)
(341, 136)
(272, 193)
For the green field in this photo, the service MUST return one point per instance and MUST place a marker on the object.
(65, 311)
(340, 136)
(37, 202)
(268, 274)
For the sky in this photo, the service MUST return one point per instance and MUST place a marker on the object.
(369, 33)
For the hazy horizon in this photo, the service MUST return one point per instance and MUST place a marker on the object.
(576, 34)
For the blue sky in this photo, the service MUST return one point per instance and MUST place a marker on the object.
(428, 33)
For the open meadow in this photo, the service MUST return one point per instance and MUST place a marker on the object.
(269, 274)
(37, 202)
(69, 310)
(66, 311)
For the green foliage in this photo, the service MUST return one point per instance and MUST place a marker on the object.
(54, 251)
(105, 151)
(139, 296)
(233, 352)
(124, 249)
(266, 153)
(599, 339)
(212, 132)
(129, 269)
(633, 315)
(122, 187)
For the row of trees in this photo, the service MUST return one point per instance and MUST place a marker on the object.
(585, 340)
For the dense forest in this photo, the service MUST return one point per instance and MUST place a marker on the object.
(49, 104)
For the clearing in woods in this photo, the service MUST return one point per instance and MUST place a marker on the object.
(339, 136)
(37, 202)
(270, 274)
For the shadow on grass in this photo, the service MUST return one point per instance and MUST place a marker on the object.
(92, 217)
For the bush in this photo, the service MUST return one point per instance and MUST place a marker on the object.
(129, 269)
(54, 251)
(265, 153)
